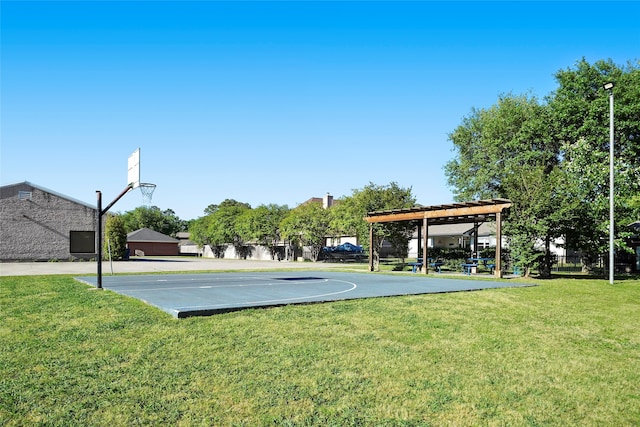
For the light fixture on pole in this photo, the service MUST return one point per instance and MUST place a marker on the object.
(609, 87)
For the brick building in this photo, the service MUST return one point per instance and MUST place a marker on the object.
(147, 242)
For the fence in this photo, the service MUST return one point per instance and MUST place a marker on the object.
(570, 263)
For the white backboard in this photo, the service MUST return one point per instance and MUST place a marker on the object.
(133, 174)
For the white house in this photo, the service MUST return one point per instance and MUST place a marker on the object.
(457, 236)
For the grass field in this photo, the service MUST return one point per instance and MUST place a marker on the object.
(566, 352)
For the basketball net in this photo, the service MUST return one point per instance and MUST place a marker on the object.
(147, 192)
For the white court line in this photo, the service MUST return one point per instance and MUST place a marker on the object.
(353, 286)
(143, 282)
(242, 285)
(121, 282)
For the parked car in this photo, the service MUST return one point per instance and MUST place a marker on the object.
(344, 252)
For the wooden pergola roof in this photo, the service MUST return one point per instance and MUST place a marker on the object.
(452, 213)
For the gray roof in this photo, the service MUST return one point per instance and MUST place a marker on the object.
(46, 190)
(149, 235)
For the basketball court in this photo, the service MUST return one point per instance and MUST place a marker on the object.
(204, 294)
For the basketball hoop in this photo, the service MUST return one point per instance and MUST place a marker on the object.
(147, 192)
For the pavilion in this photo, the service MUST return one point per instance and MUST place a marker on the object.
(475, 212)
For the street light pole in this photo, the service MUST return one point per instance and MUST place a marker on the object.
(609, 87)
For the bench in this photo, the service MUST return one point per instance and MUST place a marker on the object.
(415, 266)
(487, 263)
(469, 268)
(436, 265)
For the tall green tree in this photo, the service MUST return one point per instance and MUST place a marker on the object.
(540, 214)
(219, 228)
(508, 151)
(307, 226)
(165, 222)
(115, 241)
(347, 217)
(262, 225)
(580, 113)
(199, 234)
(493, 143)
(226, 203)
(551, 160)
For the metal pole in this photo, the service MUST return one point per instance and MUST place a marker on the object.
(101, 213)
(611, 228)
(99, 248)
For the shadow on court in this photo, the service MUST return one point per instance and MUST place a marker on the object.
(204, 294)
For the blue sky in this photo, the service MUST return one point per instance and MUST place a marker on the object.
(272, 102)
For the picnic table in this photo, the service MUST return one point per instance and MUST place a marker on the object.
(415, 266)
(472, 264)
(469, 267)
(435, 264)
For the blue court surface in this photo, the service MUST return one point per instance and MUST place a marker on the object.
(203, 294)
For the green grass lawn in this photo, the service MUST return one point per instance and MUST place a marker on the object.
(566, 352)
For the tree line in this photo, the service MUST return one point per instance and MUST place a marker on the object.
(238, 224)
(308, 225)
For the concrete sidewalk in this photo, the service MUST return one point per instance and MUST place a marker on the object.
(152, 265)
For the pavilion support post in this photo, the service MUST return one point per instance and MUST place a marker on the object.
(419, 238)
(474, 249)
(425, 246)
(419, 247)
(370, 246)
(498, 270)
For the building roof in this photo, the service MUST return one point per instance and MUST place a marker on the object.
(149, 235)
(6, 188)
(184, 238)
(327, 201)
(312, 200)
(484, 229)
